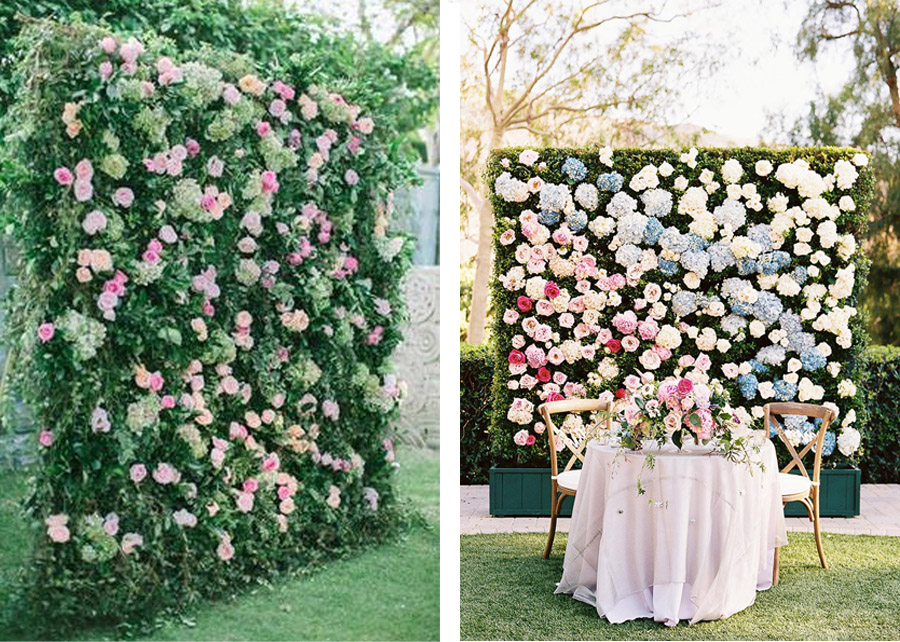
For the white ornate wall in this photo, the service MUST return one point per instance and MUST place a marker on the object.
(418, 359)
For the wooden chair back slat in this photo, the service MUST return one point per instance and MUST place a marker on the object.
(570, 406)
(805, 410)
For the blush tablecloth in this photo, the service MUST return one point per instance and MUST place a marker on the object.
(697, 545)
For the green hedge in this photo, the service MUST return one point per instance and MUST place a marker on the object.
(880, 464)
(476, 375)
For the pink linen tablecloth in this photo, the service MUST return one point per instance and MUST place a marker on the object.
(696, 546)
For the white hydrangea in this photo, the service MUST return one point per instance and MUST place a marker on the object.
(693, 202)
(743, 248)
(848, 441)
(845, 174)
(511, 189)
(668, 337)
(644, 179)
(860, 160)
(534, 287)
(602, 226)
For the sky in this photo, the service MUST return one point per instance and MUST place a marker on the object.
(758, 71)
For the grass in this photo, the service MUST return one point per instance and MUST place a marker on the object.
(506, 593)
(390, 592)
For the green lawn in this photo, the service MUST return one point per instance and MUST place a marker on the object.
(506, 593)
(390, 592)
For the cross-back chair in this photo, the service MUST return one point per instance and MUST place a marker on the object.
(800, 488)
(565, 483)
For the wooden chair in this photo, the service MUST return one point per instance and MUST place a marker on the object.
(565, 483)
(800, 488)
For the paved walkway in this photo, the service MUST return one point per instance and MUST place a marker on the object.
(879, 515)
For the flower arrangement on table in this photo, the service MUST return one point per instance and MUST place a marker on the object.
(743, 262)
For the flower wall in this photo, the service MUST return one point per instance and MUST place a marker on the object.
(613, 268)
(209, 296)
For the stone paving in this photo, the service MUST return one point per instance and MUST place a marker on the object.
(879, 515)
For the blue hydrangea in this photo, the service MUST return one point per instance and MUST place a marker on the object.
(577, 221)
(630, 228)
(828, 444)
(746, 267)
(674, 240)
(773, 262)
(800, 341)
(808, 426)
(553, 198)
(771, 355)
(657, 202)
(790, 322)
(793, 422)
(621, 205)
(768, 307)
(741, 309)
(548, 218)
(799, 274)
(733, 286)
(720, 256)
(696, 242)
(732, 324)
(628, 255)
(667, 267)
(785, 391)
(757, 367)
(812, 359)
(761, 234)
(684, 303)
(748, 384)
(652, 232)
(574, 169)
(611, 182)
(730, 214)
(696, 261)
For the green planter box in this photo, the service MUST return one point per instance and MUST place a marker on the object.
(526, 492)
(523, 491)
(839, 496)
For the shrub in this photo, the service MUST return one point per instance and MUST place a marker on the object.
(476, 376)
(881, 463)
(207, 305)
(663, 232)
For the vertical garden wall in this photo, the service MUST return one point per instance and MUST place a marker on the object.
(208, 298)
(735, 264)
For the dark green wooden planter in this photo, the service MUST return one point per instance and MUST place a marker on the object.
(523, 491)
(526, 491)
(840, 494)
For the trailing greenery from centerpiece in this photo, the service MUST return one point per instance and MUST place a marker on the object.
(734, 264)
(208, 299)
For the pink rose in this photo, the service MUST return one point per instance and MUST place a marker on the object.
(46, 331)
(137, 473)
(521, 438)
(123, 197)
(130, 541)
(45, 438)
(269, 182)
(551, 290)
(225, 550)
(684, 388)
(334, 497)
(244, 502)
(63, 176)
(510, 317)
(351, 177)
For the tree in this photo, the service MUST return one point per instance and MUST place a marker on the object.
(864, 113)
(542, 69)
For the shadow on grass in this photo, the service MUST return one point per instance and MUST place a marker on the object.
(387, 592)
(506, 592)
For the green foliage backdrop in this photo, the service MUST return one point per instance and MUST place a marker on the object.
(208, 298)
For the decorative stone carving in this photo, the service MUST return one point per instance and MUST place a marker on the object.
(418, 359)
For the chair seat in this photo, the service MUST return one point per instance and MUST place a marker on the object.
(793, 484)
(569, 479)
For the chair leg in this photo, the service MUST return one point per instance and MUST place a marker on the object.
(775, 567)
(817, 530)
(553, 511)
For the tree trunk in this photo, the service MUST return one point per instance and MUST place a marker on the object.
(478, 312)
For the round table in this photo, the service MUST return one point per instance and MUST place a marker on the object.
(697, 545)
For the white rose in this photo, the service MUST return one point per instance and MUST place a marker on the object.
(681, 183)
(860, 160)
(846, 388)
(757, 329)
(846, 203)
(666, 169)
(848, 441)
(763, 168)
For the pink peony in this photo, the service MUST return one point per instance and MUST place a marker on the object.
(94, 222)
(123, 197)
